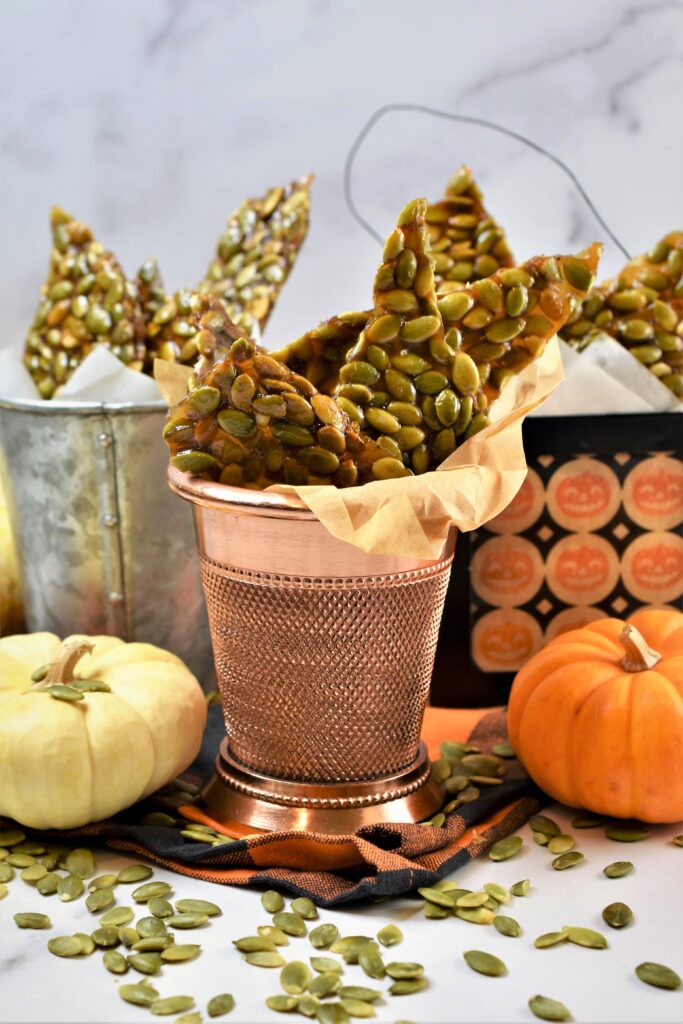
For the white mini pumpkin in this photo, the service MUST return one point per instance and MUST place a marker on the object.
(66, 763)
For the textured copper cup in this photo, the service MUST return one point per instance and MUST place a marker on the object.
(324, 657)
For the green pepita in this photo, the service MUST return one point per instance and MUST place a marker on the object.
(521, 888)
(658, 975)
(295, 977)
(617, 915)
(485, 963)
(264, 959)
(106, 938)
(324, 935)
(505, 848)
(138, 995)
(194, 907)
(619, 869)
(548, 1009)
(626, 835)
(567, 860)
(390, 935)
(32, 921)
(507, 926)
(290, 924)
(134, 873)
(114, 961)
(148, 890)
(179, 952)
(282, 1004)
(65, 945)
(172, 1004)
(145, 963)
(586, 937)
(70, 888)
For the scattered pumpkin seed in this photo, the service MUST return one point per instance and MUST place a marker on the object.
(485, 963)
(149, 927)
(398, 970)
(290, 924)
(658, 975)
(220, 1005)
(475, 915)
(3, 890)
(101, 900)
(366, 995)
(128, 936)
(7, 872)
(390, 935)
(134, 873)
(617, 915)
(540, 838)
(145, 963)
(548, 1009)
(678, 840)
(114, 961)
(357, 1008)
(20, 860)
(407, 986)
(561, 844)
(626, 835)
(33, 873)
(138, 994)
(588, 821)
(541, 823)
(567, 860)
(197, 907)
(87, 944)
(159, 907)
(549, 939)
(11, 836)
(586, 937)
(472, 899)
(70, 887)
(619, 869)
(189, 1018)
(264, 959)
(370, 959)
(32, 921)
(269, 931)
(254, 944)
(65, 945)
(308, 1005)
(325, 984)
(106, 937)
(323, 964)
(323, 936)
(331, 1013)
(149, 890)
(505, 848)
(186, 920)
(503, 750)
(507, 926)
(295, 977)
(434, 913)
(171, 1004)
(153, 944)
(272, 901)
(437, 896)
(304, 908)
(178, 952)
(102, 882)
(282, 1004)
(61, 692)
(499, 893)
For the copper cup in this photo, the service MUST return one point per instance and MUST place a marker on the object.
(324, 657)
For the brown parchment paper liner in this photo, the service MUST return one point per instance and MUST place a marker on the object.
(411, 516)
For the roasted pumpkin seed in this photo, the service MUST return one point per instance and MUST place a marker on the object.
(561, 844)
(269, 931)
(138, 994)
(549, 939)
(567, 860)
(626, 835)
(151, 926)
(305, 908)
(145, 963)
(254, 944)
(282, 1004)
(290, 924)
(103, 882)
(541, 823)
(148, 890)
(264, 959)
(47, 885)
(32, 921)
(323, 936)
(272, 901)
(134, 873)
(325, 984)
(322, 964)
(505, 848)
(159, 907)
(114, 961)
(586, 937)
(70, 888)
(106, 938)
(65, 945)
(295, 977)
(407, 986)
(152, 944)
(399, 969)
(370, 959)
(617, 915)
(619, 869)
(197, 907)
(485, 963)
(171, 1004)
(507, 926)
(658, 975)
(548, 1009)
(389, 935)
(587, 821)
(179, 952)
(101, 900)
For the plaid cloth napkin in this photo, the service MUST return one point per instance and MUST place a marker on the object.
(374, 861)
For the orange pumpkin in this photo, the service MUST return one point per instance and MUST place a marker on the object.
(596, 717)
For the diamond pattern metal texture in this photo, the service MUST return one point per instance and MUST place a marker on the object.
(324, 680)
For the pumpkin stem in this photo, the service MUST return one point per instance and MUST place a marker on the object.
(638, 657)
(62, 670)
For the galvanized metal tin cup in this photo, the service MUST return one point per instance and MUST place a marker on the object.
(103, 546)
(324, 657)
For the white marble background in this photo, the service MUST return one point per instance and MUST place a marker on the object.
(151, 119)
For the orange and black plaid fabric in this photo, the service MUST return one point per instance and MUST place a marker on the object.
(374, 861)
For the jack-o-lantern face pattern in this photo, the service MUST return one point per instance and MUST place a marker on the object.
(586, 537)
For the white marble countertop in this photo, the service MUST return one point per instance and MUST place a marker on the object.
(598, 986)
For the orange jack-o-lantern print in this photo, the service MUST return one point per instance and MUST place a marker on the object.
(507, 571)
(652, 568)
(653, 493)
(584, 495)
(582, 569)
(571, 618)
(503, 640)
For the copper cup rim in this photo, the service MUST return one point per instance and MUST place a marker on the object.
(212, 494)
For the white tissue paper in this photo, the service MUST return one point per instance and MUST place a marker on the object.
(101, 377)
(605, 378)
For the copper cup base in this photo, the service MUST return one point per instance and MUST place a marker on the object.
(239, 795)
